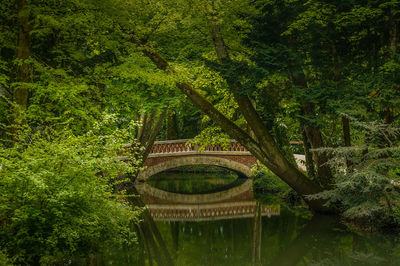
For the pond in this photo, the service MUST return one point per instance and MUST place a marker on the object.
(241, 231)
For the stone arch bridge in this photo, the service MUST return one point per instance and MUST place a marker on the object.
(170, 154)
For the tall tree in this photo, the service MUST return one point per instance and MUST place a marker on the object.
(23, 67)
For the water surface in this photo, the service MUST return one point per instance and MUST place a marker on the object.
(195, 183)
(243, 231)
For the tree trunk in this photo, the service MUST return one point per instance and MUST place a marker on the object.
(346, 131)
(308, 155)
(172, 128)
(23, 74)
(393, 31)
(314, 136)
(147, 124)
(153, 134)
(347, 139)
(142, 120)
(147, 134)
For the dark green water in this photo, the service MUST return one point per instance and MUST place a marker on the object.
(285, 240)
(290, 237)
(194, 183)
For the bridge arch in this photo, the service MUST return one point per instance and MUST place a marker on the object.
(195, 160)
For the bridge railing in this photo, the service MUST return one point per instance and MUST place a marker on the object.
(184, 145)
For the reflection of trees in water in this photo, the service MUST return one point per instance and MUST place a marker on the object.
(322, 242)
(213, 243)
(194, 183)
(220, 241)
(256, 242)
(175, 238)
(355, 249)
(311, 235)
(151, 249)
(289, 239)
(149, 236)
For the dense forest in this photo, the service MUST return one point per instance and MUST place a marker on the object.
(79, 80)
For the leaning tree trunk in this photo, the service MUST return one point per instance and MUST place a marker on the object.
(151, 136)
(147, 134)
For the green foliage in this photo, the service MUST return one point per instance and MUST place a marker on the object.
(211, 136)
(269, 188)
(4, 260)
(87, 59)
(367, 180)
(57, 199)
(336, 55)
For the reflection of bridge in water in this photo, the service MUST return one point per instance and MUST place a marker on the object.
(234, 203)
(209, 212)
(240, 192)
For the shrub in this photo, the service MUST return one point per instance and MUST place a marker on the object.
(57, 199)
(367, 184)
(270, 188)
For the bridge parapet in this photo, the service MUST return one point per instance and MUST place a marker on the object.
(184, 145)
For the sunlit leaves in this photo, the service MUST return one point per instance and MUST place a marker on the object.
(211, 136)
(57, 193)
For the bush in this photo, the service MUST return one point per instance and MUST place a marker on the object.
(270, 188)
(56, 196)
(4, 259)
